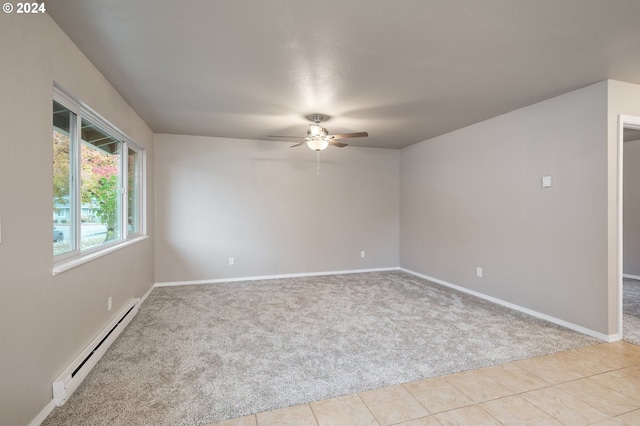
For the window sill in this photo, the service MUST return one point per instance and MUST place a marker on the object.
(60, 267)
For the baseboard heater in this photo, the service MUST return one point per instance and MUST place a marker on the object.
(75, 373)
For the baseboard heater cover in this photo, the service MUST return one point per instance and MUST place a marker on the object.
(75, 373)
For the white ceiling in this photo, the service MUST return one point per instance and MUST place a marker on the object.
(402, 70)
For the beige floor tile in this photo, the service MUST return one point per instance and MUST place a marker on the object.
(621, 381)
(393, 404)
(514, 378)
(564, 407)
(515, 410)
(600, 397)
(342, 411)
(437, 395)
(632, 418)
(423, 421)
(478, 386)
(465, 416)
(299, 415)
(587, 364)
(617, 354)
(611, 421)
(551, 368)
(624, 347)
(631, 371)
(239, 421)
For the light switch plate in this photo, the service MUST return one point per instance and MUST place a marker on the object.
(546, 181)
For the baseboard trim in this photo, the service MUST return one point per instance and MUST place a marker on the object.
(42, 415)
(575, 327)
(272, 277)
(144, 297)
(633, 277)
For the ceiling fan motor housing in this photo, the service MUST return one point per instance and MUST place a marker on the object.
(317, 118)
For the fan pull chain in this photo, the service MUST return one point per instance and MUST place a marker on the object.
(318, 162)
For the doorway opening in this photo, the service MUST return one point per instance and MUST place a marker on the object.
(629, 228)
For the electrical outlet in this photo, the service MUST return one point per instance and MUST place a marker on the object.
(109, 303)
(362, 253)
(231, 261)
(479, 272)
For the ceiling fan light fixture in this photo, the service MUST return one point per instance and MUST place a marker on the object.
(315, 130)
(317, 144)
(318, 138)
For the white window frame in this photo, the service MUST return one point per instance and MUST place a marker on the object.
(77, 256)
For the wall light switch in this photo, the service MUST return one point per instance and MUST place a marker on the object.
(546, 181)
(362, 253)
(479, 272)
(231, 261)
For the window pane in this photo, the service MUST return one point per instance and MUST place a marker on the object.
(97, 182)
(133, 184)
(62, 207)
(100, 210)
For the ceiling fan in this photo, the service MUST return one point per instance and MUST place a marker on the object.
(318, 138)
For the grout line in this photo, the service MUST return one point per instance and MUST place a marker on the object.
(417, 418)
(314, 414)
(414, 397)
(366, 405)
(490, 415)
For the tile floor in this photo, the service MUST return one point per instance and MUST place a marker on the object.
(597, 385)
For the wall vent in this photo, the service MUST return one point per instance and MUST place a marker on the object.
(75, 373)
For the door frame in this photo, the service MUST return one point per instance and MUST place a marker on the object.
(624, 122)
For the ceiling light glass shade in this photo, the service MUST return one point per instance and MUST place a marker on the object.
(317, 144)
(316, 130)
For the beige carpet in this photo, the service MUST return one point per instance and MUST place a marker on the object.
(631, 310)
(198, 354)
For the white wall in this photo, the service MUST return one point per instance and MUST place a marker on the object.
(262, 203)
(473, 198)
(46, 321)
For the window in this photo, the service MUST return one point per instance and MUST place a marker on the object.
(97, 182)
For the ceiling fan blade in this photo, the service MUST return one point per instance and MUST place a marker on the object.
(338, 144)
(297, 137)
(350, 135)
(298, 144)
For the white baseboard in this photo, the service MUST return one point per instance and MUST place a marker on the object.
(42, 415)
(272, 277)
(144, 297)
(614, 338)
(633, 277)
(563, 323)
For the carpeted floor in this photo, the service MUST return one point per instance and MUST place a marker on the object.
(631, 309)
(203, 353)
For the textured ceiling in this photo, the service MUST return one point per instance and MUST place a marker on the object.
(402, 70)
